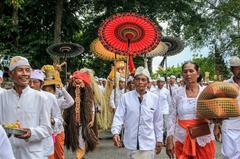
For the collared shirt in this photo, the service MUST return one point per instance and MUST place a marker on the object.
(143, 121)
(165, 95)
(5, 146)
(233, 122)
(184, 108)
(30, 108)
(119, 93)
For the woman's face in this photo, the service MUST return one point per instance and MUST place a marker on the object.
(190, 74)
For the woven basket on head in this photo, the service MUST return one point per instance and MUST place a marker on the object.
(218, 108)
(219, 90)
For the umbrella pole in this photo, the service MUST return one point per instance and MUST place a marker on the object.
(145, 61)
(115, 79)
(65, 69)
(126, 75)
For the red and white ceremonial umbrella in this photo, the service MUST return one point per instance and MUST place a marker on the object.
(129, 34)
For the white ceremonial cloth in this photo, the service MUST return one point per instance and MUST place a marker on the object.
(165, 95)
(30, 108)
(5, 146)
(119, 93)
(142, 121)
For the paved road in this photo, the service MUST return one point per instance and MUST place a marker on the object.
(106, 150)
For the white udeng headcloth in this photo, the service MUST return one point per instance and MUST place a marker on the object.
(18, 61)
(142, 71)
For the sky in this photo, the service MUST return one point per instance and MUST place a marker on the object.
(185, 55)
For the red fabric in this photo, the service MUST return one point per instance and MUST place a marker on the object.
(189, 146)
(83, 76)
(131, 65)
(58, 147)
(206, 152)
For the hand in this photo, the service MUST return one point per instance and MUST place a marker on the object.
(158, 147)
(170, 147)
(52, 121)
(117, 140)
(217, 132)
(26, 135)
(90, 124)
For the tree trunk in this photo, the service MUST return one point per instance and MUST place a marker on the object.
(58, 26)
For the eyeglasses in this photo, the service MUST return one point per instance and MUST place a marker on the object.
(138, 79)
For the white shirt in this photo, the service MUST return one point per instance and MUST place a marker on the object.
(165, 95)
(185, 108)
(66, 100)
(31, 110)
(233, 122)
(2, 89)
(142, 121)
(119, 93)
(5, 146)
(55, 113)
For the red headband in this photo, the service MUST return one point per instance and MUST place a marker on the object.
(83, 76)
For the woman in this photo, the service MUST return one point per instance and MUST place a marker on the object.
(183, 120)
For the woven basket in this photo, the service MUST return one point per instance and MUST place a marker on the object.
(219, 90)
(218, 108)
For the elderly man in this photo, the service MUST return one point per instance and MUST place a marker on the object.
(27, 107)
(231, 126)
(140, 113)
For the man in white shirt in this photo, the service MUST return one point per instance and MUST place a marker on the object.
(27, 106)
(36, 82)
(5, 146)
(164, 94)
(231, 126)
(140, 113)
(119, 92)
(172, 85)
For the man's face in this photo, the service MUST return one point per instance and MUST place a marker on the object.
(236, 71)
(49, 89)
(172, 81)
(160, 84)
(141, 82)
(35, 84)
(21, 75)
(121, 84)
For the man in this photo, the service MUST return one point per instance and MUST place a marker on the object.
(27, 106)
(130, 84)
(231, 126)
(164, 94)
(172, 84)
(1, 80)
(5, 146)
(139, 111)
(119, 92)
(36, 82)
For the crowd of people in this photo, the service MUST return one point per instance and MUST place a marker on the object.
(147, 114)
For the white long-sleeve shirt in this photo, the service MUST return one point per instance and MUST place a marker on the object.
(166, 99)
(30, 108)
(142, 121)
(66, 100)
(233, 122)
(119, 93)
(55, 113)
(5, 146)
(184, 108)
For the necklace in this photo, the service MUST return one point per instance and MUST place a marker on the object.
(192, 93)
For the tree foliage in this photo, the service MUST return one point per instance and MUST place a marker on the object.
(200, 23)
